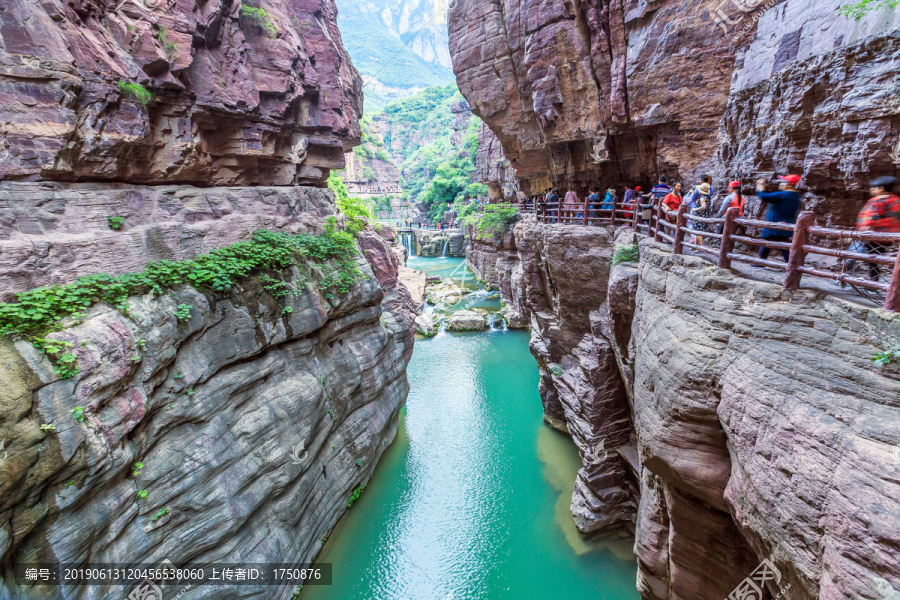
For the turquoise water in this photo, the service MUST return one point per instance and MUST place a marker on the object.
(472, 499)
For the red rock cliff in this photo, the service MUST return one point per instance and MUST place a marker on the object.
(238, 97)
(620, 91)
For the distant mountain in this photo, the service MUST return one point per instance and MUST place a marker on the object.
(399, 46)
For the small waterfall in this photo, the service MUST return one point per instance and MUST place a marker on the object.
(409, 240)
(445, 248)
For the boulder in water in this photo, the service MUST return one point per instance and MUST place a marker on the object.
(446, 292)
(425, 326)
(467, 320)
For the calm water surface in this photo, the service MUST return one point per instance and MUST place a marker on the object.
(472, 499)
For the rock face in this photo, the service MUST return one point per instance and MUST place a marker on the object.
(492, 168)
(609, 93)
(236, 100)
(254, 417)
(728, 420)
(249, 418)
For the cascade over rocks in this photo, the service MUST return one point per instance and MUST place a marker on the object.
(727, 420)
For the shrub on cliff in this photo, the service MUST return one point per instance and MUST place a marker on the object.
(331, 256)
(495, 220)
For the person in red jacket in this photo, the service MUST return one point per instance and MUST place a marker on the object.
(881, 213)
(737, 199)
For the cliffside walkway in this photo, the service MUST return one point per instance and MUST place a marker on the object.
(821, 252)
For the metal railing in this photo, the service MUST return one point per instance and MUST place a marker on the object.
(875, 272)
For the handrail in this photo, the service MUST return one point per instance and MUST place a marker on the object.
(799, 247)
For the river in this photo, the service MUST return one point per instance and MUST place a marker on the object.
(471, 501)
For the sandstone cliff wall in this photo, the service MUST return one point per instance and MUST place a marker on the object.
(215, 407)
(727, 420)
(236, 100)
(596, 92)
(254, 417)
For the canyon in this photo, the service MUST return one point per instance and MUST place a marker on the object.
(723, 420)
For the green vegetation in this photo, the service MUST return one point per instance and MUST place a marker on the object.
(626, 254)
(355, 495)
(159, 514)
(379, 54)
(859, 10)
(168, 46)
(440, 172)
(78, 413)
(886, 357)
(183, 312)
(357, 211)
(555, 369)
(137, 92)
(495, 219)
(65, 364)
(115, 223)
(259, 17)
(330, 257)
(137, 468)
(48, 427)
(143, 494)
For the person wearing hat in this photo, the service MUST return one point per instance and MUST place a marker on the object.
(737, 199)
(783, 208)
(701, 206)
(881, 213)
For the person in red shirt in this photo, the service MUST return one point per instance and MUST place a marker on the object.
(881, 213)
(672, 201)
(737, 199)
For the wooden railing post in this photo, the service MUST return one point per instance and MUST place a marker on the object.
(727, 245)
(892, 302)
(680, 223)
(660, 215)
(612, 217)
(585, 219)
(635, 203)
(792, 277)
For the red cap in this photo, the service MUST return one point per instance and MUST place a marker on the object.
(637, 188)
(791, 179)
(735, 184)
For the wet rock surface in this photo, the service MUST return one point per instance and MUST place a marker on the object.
(467, 320)
(728, 420)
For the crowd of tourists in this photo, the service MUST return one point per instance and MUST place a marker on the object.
(881, 213)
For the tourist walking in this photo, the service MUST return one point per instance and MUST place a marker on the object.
(707, 179)
(734, 199)
(656, 195)
(629, 195)
(701, 206)
(783, 208)
(553, 201)
(572, 203)
(881, 213)
(594, 201)
(609, 200)
(672, 202)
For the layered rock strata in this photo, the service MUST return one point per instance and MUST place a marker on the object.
(254, 418)
(732, 422)
(196, 427)
(205, 93)
(612, 93)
